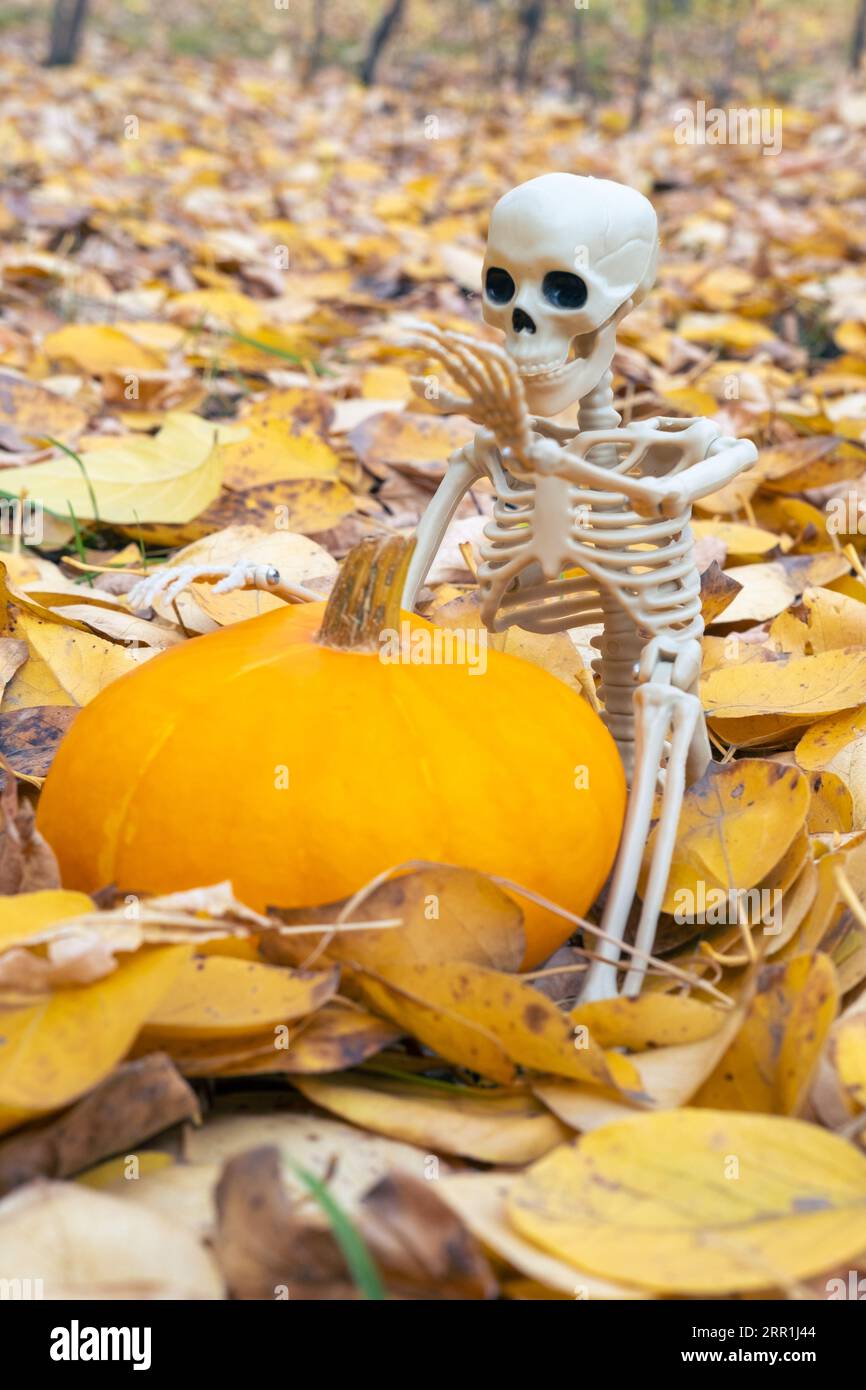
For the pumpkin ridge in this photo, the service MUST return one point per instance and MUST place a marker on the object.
(135, 784)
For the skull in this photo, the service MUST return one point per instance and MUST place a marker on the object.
(566, 258)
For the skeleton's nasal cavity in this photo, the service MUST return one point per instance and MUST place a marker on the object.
(521, 322)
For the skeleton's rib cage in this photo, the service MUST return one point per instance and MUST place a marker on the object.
(544, 525)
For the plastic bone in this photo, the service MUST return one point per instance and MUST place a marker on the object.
(590, 525)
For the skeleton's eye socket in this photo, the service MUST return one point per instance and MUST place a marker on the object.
(499, 285)
(564, 290)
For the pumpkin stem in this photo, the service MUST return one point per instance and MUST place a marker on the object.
(365, 600)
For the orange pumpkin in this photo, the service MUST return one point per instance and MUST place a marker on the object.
(299, 764)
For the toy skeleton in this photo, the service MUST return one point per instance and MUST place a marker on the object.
(590, 524)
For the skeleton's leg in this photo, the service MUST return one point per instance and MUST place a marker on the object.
(661, 710)
(651, 727)
(461, 473)
(169, 580)
(700, 753)
(687, 718)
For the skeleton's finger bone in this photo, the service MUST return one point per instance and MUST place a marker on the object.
(453, 364)
(486, 361)
(469, 365)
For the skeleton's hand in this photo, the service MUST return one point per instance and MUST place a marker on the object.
(545, 456)
(171, 580)
(660, 497)
(494, 392)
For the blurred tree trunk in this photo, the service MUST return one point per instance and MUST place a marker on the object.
(643, 76)
(577, 82)
(858, 38)
(67, 27)
(531, 21)
(317, 46)
(486, 36)
(729, 43)
(384, 30)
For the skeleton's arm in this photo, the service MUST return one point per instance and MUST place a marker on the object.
(461, 473)
(725, 460)
(716, 465)
(549, 457)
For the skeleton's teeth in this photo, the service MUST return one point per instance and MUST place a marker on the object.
(541, 368)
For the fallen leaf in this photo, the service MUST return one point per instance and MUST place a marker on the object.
(211, 996)
(698, 1202)
(135, 1102)
(487, 1124)
(89, 1245)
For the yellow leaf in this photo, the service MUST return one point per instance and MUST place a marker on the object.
(274, 449)
(483, 1123)
(56, 1050)
(698, 1202)
(739, 540)
(334, 1038)
(768, 587)
(831, 809)
(226, 308)
(170, 478)
(669, 1076)
(849, 1054)
(305, 408)
(488, 1021)
(724, 331)
(476, 922)
(28, 914)
(37, 413)
(838, 744)
(97, 348)
(690, 400)
(423, 442)
(735, 826)
(769, 1065)
(823, 621)
(216, 995)
(851, 335)
(649, 1021)
(800, 687)
(114, 1170)
(65, 662)
(386, 384)
(480, 1200)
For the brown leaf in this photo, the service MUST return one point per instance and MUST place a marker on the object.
(29, 738)
(265, 1245)
(27, 863)
(138, 1100)
(421, 1245)
(269, 1245)
(717, 591)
